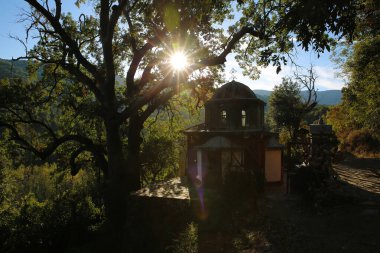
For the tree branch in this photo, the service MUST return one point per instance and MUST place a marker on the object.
(137, 57)
(73, 157)
(146, 75)
(51, 147)
(32, 120)
(117, 10)
(221, 58)
(100, 160)
(54, 22)
(140, 101)
(91, 84)
(161, 100)
(74, 70)
(308, 82)
(106, 36)
(58, 7)
(131, 29)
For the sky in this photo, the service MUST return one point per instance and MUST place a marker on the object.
(325, 69)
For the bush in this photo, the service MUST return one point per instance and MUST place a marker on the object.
(314, 185)
(187, 241)
(362, 142)
(159, 159)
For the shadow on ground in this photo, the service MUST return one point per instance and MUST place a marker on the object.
(345, 220)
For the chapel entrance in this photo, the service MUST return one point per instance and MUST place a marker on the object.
(214, 169)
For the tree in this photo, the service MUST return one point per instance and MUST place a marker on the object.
(362, 92)
(43, 209)
(141, 35)
(359, 113)
(319, 111)
(287, 108)
(359, 109)
(164, 143)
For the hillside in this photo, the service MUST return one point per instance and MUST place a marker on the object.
(14, 69)
(326, 97)
(329, 97)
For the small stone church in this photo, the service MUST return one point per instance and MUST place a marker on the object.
(232, 139)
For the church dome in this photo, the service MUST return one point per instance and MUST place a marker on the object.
(233, 90)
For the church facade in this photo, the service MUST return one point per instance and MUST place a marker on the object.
(232, 139)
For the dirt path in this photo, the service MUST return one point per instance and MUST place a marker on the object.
(361, 173)
(349, 223)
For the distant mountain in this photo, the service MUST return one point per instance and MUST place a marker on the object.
(326, 97)
(15, 69)
(264, 93)
(329, 97)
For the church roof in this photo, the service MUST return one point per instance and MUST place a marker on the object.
(218, 142)
(233, 90)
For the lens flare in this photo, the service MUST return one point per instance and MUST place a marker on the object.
(178, 61)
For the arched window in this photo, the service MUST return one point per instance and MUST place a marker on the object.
(223, 117)
(243, 118)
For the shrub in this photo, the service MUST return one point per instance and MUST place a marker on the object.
(362, 141)
(159, 159)
(187, 241)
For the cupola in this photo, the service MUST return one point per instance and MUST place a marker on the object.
(234, 106)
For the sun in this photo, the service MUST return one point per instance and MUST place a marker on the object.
(178, 61)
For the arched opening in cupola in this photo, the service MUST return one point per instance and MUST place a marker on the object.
(243, 118)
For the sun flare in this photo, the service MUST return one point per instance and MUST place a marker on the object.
(178, 61)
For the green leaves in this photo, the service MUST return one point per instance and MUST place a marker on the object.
(40, 206)
(359, 115)
(359, 110)
(287, 109)
(79, 2)
(163, 140)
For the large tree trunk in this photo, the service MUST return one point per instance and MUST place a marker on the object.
(124, 171)
(133, 154)
(116, 192)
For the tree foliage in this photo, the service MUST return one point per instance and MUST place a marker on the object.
(49, 115)
(319, 112)
(44, 210)
(164, 142)
(358, 116)
(362, 93)
(287, 107)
